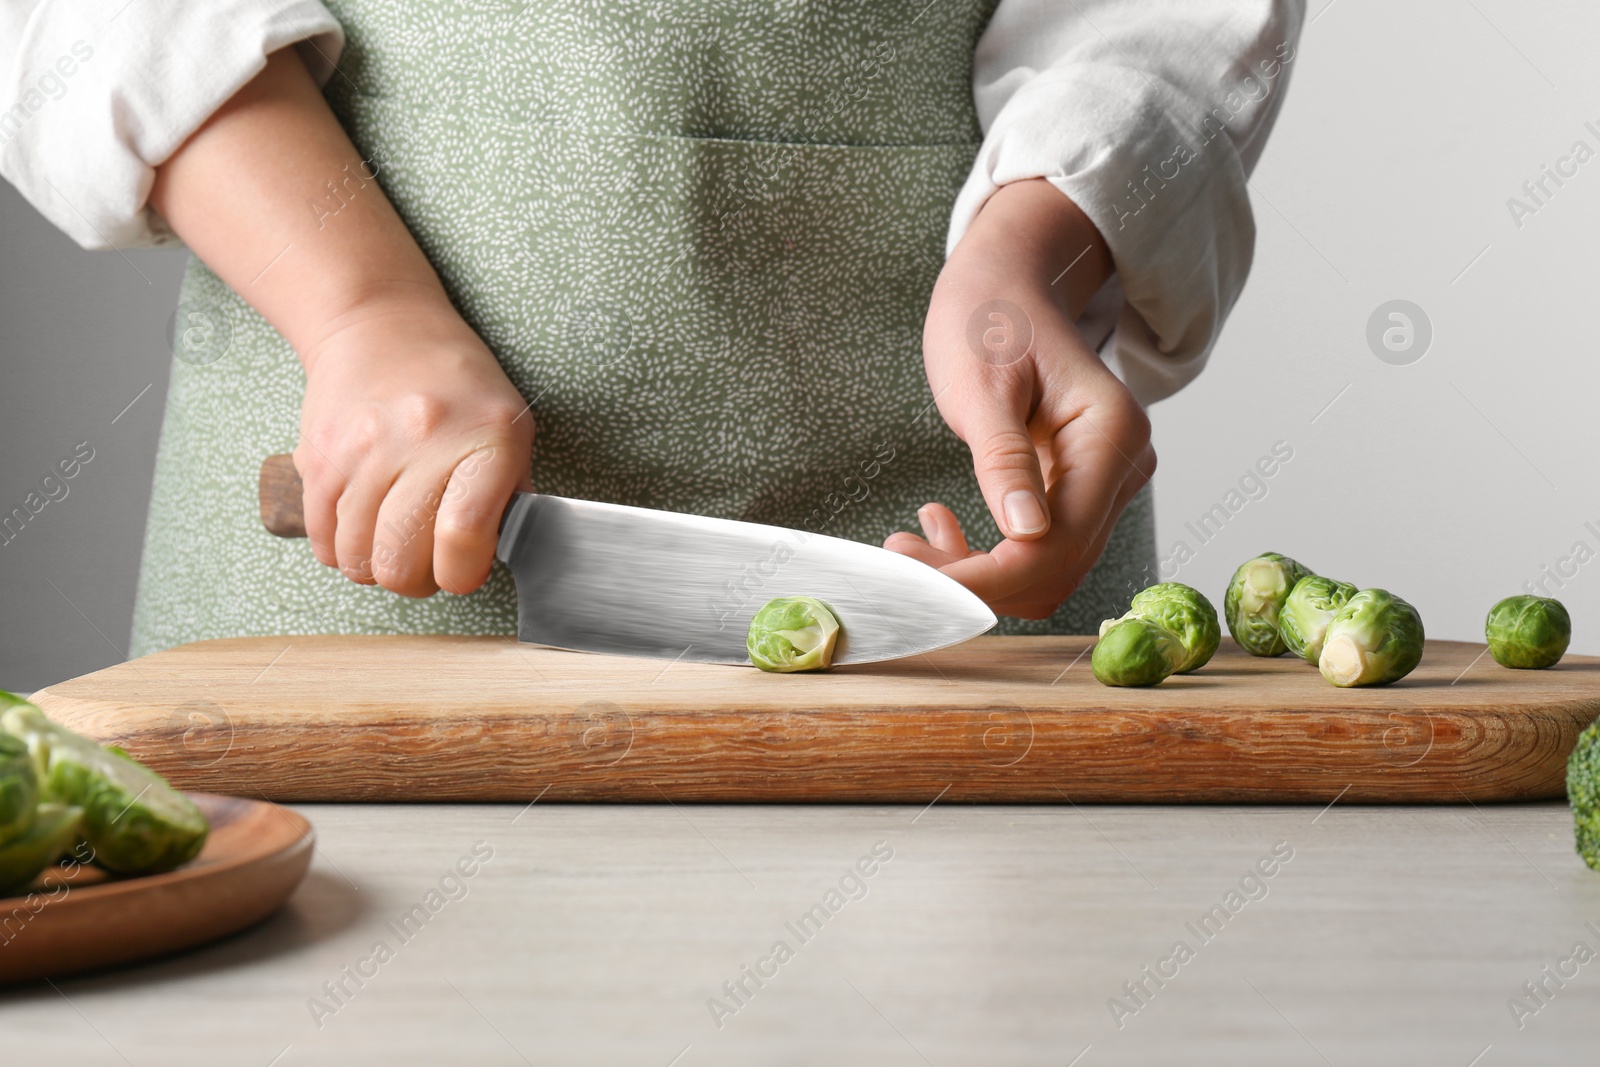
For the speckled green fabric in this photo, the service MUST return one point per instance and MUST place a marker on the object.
(700, 235)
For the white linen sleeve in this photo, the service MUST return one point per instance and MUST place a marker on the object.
(95, 94)
(1150, 115)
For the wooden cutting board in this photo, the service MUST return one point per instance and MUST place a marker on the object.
(410, 718)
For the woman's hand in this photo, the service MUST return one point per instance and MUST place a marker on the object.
(412, 441)
(1059, 444)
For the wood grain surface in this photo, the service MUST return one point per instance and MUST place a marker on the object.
(280, 493)
(411, 718)
(994, 938)
(76, 918)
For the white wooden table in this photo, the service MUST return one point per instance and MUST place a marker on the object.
(599, 935)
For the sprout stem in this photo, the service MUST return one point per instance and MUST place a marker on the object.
(1342, 661)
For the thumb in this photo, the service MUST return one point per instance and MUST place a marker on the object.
(1007, 465)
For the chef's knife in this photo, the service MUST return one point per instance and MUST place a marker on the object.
(611, 578)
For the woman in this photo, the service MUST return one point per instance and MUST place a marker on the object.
(682, 255)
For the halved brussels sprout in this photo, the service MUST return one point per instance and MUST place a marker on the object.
(1254, 599)
(792, 633)
(1136, 651)
(133, 820)
(1303, 622)
(1528, 632)
(1183, 610)
(19, 789)
(55, 829)
(1375, 639)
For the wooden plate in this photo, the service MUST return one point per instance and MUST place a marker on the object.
(77, 918)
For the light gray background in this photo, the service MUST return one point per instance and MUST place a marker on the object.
(1451, 481)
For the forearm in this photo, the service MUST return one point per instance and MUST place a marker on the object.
(1031, 229)
(241, 193)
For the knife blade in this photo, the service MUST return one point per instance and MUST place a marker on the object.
(611, 578)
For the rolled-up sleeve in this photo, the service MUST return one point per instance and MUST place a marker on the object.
(94, 95)
(1150, 115)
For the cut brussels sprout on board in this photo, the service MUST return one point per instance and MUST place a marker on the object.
(1528, 632)
(1136, 652)
(1311, 604)
(792, 633)
(1255, 598)
(1184, 611)
(132, 819)
(1583, 792)
(1374, 639)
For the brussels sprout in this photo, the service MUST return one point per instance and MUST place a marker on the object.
(1583, 792)
(1254, 598)
(19, 789)
(1186, 612)
(1136, 651)
(1375, 639)
(792, 633)
(1528, 632)
(135, 822)
(55, 829)
(1303, 622)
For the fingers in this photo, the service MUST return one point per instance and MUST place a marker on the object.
(909, 544)
(356, 516)
(943, 542)
(990, 413)
(1099, 462)
(468, 523)
(1101, 458)
(1093, 469)
(943, 530)
(402, 539)
(1029, 605)
(437, 525)
(321, 485)
(1042, 573)
(413, 520)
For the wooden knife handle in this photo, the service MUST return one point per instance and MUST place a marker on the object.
(282, 504)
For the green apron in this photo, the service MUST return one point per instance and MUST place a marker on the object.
(700, 236)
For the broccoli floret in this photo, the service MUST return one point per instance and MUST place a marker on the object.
(1583, 791)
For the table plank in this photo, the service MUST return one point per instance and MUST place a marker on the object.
(996, 935)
